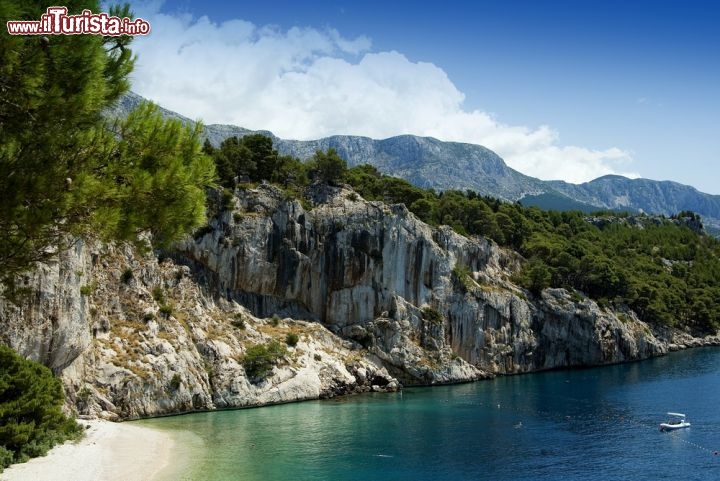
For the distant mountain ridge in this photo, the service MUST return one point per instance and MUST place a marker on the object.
(432, 163)
(423, 161)
(658, 197)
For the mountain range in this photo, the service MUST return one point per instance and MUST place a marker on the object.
(432, 163)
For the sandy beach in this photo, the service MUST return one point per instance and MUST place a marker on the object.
(108, 452)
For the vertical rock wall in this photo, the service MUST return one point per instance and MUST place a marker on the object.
(373, 295)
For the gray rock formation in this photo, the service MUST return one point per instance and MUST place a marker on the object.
(372, 272)
(375, 298)
(131, 337)
(50, 323)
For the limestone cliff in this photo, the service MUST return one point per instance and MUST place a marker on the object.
(374, 297)
(134, 337)
(375, 273)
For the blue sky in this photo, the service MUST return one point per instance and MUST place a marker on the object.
(560, 89)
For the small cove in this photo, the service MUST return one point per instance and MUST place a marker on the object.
(598, 423)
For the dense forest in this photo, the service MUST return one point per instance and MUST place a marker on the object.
(664, 269)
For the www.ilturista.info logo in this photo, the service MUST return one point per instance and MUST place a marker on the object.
(57, 22)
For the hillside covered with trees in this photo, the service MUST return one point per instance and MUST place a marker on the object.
(664, 269)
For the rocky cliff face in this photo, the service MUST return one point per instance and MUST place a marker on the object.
(422, 300)
(134, 337)
(375, 298)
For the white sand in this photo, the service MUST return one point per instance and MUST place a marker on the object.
(108, 452)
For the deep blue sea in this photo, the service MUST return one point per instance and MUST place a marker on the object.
(586, 424)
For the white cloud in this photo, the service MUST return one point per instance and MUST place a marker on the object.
(307, 83)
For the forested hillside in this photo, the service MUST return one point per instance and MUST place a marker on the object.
(662, 268)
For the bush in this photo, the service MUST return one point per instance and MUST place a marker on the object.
(126, 276)
(292, 339)
(175, 382)
(239, 321)
(6, 458)
(31, 418)
(166, 310)
(260, 358)
(464, 275)
(432, 315)
(227, 200)
(158, 294)
(88, 289)
(275, 320)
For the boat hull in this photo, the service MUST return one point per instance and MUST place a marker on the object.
(673, 427)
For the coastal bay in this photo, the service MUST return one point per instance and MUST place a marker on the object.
(596, 423)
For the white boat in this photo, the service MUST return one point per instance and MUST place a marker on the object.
(676, 421)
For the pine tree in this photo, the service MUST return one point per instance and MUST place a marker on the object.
(63, 169)
(331, 168)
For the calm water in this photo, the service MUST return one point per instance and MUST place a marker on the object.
(586, 424)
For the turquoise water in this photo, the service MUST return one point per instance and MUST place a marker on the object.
(599, 423)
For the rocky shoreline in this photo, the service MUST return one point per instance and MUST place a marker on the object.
(360, 296)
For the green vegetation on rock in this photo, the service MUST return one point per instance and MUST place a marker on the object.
(661, 268)
(31, 417)
(65, 170)
(291, 339)
(261, 358)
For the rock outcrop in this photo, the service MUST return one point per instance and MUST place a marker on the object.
(134, 337)
(356, 296)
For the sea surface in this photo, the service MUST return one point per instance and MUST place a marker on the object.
(584, 424)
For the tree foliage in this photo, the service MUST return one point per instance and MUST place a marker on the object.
(253, 158)
(66, 170)
(155, 179)
(329, 166)
(31, 418)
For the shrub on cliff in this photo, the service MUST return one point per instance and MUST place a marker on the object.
(432, 315)
(31, 418)
(260, 359)
(292, 339)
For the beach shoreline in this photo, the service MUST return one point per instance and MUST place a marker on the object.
(109, 451)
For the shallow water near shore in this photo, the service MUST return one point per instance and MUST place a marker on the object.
(599, 423)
